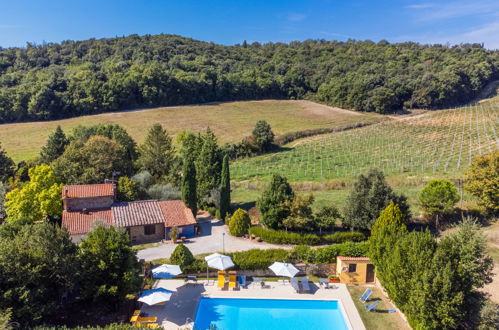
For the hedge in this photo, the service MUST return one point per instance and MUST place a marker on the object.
(261, 259)
(347, 236)
(283, 237)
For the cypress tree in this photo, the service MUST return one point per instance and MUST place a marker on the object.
(208, 166)
(6, 166)
(225, 188)
(157, 154)
(55, 146)
(189, 185)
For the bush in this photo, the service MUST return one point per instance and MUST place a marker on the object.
(340, 237)
(283, 237)
(258, 259)
(212, 211)
(239, 223)
(182, 256)
(301, 253)
(164, 192)
(328, 254)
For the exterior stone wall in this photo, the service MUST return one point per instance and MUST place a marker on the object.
(137, 233)
(78, 204)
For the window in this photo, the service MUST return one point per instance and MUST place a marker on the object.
(352, 268)
(150, 230)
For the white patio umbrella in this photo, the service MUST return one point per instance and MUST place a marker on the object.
(218, 261)
(284, 269)
(166, 271)
(155, 296)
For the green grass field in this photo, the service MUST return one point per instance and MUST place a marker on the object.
(230, 121)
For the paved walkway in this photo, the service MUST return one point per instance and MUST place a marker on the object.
(180, 311)
(214, 238)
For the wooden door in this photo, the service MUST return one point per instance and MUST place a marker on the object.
(370, 273)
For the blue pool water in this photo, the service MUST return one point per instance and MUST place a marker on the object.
(271, 314)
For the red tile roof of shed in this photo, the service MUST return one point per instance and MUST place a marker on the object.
(88, 190)
(79, 222)
(176, 213)
(353, 258)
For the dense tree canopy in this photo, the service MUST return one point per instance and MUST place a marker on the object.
(72, 78)
(111, 269)
(369, 196)
(482, 180)
(38, 266)
(273, 202)
(37, 199)
(157, 155)
(6, 165)
(91, 162)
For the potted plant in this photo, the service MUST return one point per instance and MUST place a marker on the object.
(333, 279)
(173, 234)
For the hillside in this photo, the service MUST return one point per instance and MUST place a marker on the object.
(75, 78)
(231, 122)
(435, 142)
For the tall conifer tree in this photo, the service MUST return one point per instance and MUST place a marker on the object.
(189, 185)
(55, 146)
(225, 188)
(208, 166)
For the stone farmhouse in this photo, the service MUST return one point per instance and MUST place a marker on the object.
(145, 221)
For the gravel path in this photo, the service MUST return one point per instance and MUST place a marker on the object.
(212, 239)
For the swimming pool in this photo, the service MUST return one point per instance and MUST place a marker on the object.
(263, 314)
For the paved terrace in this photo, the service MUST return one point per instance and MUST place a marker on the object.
(179, 312)
(212, 239)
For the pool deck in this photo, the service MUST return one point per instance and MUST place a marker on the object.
(179, 312)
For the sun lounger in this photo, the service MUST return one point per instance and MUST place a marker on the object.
(221, 281)
(372, 306)
(283, 282)
(242, 281)
(257, 280)
(294, 284)
(232, 281)
(324, 282)
(304, 284)
(147, 319)
(366, 295)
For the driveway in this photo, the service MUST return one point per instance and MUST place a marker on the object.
(212, 239)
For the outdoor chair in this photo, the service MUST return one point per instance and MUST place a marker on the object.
(147, 319)
(191, 279)
(221, 281)
(305, 284)
(233, 281)
(324, 282)
(242, 281)
(264, 286)
(366, 295)
(295, 284)
(256, 280)
(283, 282)
(372, 306)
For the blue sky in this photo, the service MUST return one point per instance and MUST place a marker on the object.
(231, 22)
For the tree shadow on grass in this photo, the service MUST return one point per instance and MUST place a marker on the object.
(245, 206)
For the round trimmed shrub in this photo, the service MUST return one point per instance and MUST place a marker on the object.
(239, 223)
(182, 256)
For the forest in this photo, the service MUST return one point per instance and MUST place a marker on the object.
(73, 78)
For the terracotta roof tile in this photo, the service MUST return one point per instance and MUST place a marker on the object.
(137, 213)
(79, 222)
(353, 258)
(88, 190)
(176, 213)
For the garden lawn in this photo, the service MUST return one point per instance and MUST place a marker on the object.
(380, 319)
